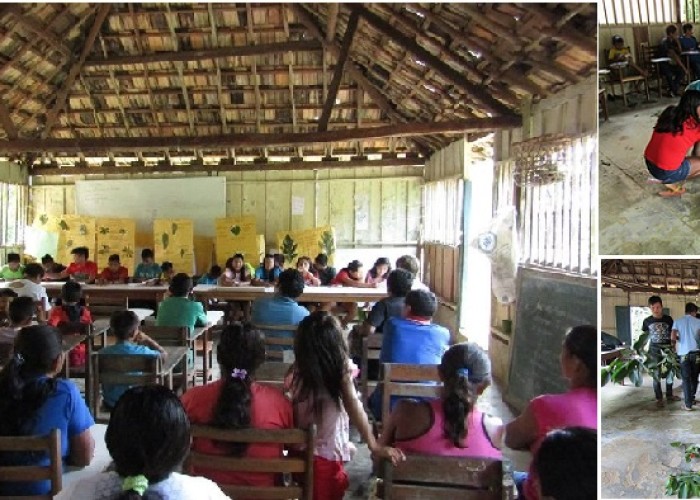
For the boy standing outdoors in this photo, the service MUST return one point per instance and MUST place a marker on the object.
(686, 334)
(659, 326)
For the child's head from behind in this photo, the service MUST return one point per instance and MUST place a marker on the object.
(147, 256)
(148, 433)
(124, 324)
(291, 283)
(420, 303)
(321, 357)
(167, 269)
(465, 370)
(80, 254)
(71, 292)
(13, 261)
(579, 356)
(321, 261)
(180, 285)
(22, 310)
(114, 263)
(38, 351)
(34, 272)
(672, 31)
(399, 282)
(409, 263)
(566, 464)
(215, 271)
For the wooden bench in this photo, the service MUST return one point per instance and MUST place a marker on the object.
(51, 445)
(371, 349)
(280, 465)
(408, 380)
(429, 477)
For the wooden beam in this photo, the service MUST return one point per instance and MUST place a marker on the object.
(339, 70)
(76, 68)
(88, 144)
(239, 167)
(6, 120)
(478, 93)
(41, 32)
(256, 83)
(333, 9)
(203, 55)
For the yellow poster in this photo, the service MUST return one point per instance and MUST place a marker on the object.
(174, 242)
(75, 231)
(47, 222)
(115, 236)
(306, 242)
(237, 235)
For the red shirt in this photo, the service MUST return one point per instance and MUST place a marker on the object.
(342, 276)
(269, 410)
(667, 151)
(120, 276)
(84, 271)
(58, 315)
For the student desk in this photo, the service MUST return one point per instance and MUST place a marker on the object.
(174, 356)
(100, 462)
(70, 341)
(131, 291)
(213, 318)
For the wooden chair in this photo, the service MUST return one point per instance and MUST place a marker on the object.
(408, 380)
(174, 336)
(276, 345)
(120, 369)
(282, 465)
(105, 306)
(273, 373)
(371, 349)
(425, 476)
(51, 445)
(620, 75)
(651, 63)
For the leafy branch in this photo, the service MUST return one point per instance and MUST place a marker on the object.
(637, 360)
(685, 484)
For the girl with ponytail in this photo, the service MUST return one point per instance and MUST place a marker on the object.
(451, 425)
(148, 437)
(34, 402)
(236, 401)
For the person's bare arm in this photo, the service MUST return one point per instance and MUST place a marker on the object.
(144, 339)
(366, 329)
(522, 431)
(82, 449)
(494, 430)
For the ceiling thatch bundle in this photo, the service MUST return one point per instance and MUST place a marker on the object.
(655, 275)
(134, 84)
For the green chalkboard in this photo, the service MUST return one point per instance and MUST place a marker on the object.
(548, 304)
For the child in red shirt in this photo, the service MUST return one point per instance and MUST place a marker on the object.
(81, 269)
(351, 276)
(115, 272)
(69, 312)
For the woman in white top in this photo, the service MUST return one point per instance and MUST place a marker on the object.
(148, 437)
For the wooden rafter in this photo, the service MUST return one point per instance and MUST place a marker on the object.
(178, 66)
(6, 120)
(290, 65)
(117, 89)
(256, 140)
(219, 90)
(62, 94)
(203, 55)
(239, 167)
(333, 9)
(93, 106)
(39, 31)
(478, 93)
(146, 76)
(256, 84)
(339, 70)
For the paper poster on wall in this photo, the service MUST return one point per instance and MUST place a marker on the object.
(115, 236)
(47, 222)
(75, 231)
(361, 212)
(174, 242)
(297, 205)
(306, 242)
(236, 235)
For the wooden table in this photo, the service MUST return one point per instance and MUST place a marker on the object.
(174, 356)
(606, 356)
(311, 293)
(100, 461)
(213, 318)
(131, 291)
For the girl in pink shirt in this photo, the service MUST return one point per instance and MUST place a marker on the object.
(323, 394)
(577, 407)
(379, 272)
(452, 425)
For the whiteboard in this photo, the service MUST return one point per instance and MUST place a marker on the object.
(201, 199)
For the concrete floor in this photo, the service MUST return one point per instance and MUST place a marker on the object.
(636, 458)
(634, 220)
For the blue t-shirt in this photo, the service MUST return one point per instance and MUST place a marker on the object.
(277, 310)
(65, 410)
(410, 342)
(688, 328)
(263, 274)
(147, 271)
(207, 280)
(112, 393)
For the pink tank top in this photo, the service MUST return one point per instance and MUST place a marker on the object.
(434, 442)
(576, 408)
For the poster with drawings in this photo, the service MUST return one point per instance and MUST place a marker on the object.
(115, 236)
(174, 242)
(237, 235)
(75, 231)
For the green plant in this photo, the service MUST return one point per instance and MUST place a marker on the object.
(636, 361)
(327, 243)
(289, 249)
(685, 484)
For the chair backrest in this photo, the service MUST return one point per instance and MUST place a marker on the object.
(74, 328)
(104, 305)
(121, 369)
(276, 345)
(273, 373)
(646, 54)
(408, 380)
(371, 349)
(168, 335)
(50, 444)
(280, 465)
(425, 476)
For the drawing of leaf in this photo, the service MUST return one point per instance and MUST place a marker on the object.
(165, 239)
(63, 225)
(43, 218)
(103, 230)
(128, 252)
(83, 230)
(182, 253)
(236, 230)
(174, 228)
(289, 248)
(327, 244)
(122, 231)
(69, 243)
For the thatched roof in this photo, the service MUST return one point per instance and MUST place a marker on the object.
(654, 275)
(190, 80)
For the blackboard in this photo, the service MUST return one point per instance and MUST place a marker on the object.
(548, 304)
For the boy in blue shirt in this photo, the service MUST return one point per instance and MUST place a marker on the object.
(147, 269)
(130, 340)
(268, 272)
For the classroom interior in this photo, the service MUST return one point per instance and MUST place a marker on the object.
(634, 219)
(402, 127)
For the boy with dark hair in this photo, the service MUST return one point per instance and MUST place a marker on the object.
(212, 277)
(268, 272)
(620, 53)
(167, 272)
(325, 272)
(114, 272)
(410, 264)
(659, 327)
(178, 309)
(6, 297)
(13, 270)
(81, 269)
(30, 285)
(686, 334)
(130, 340)
(690, 44)
(21, 313)
(70, 310)
(147, 269)
(673, 70)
